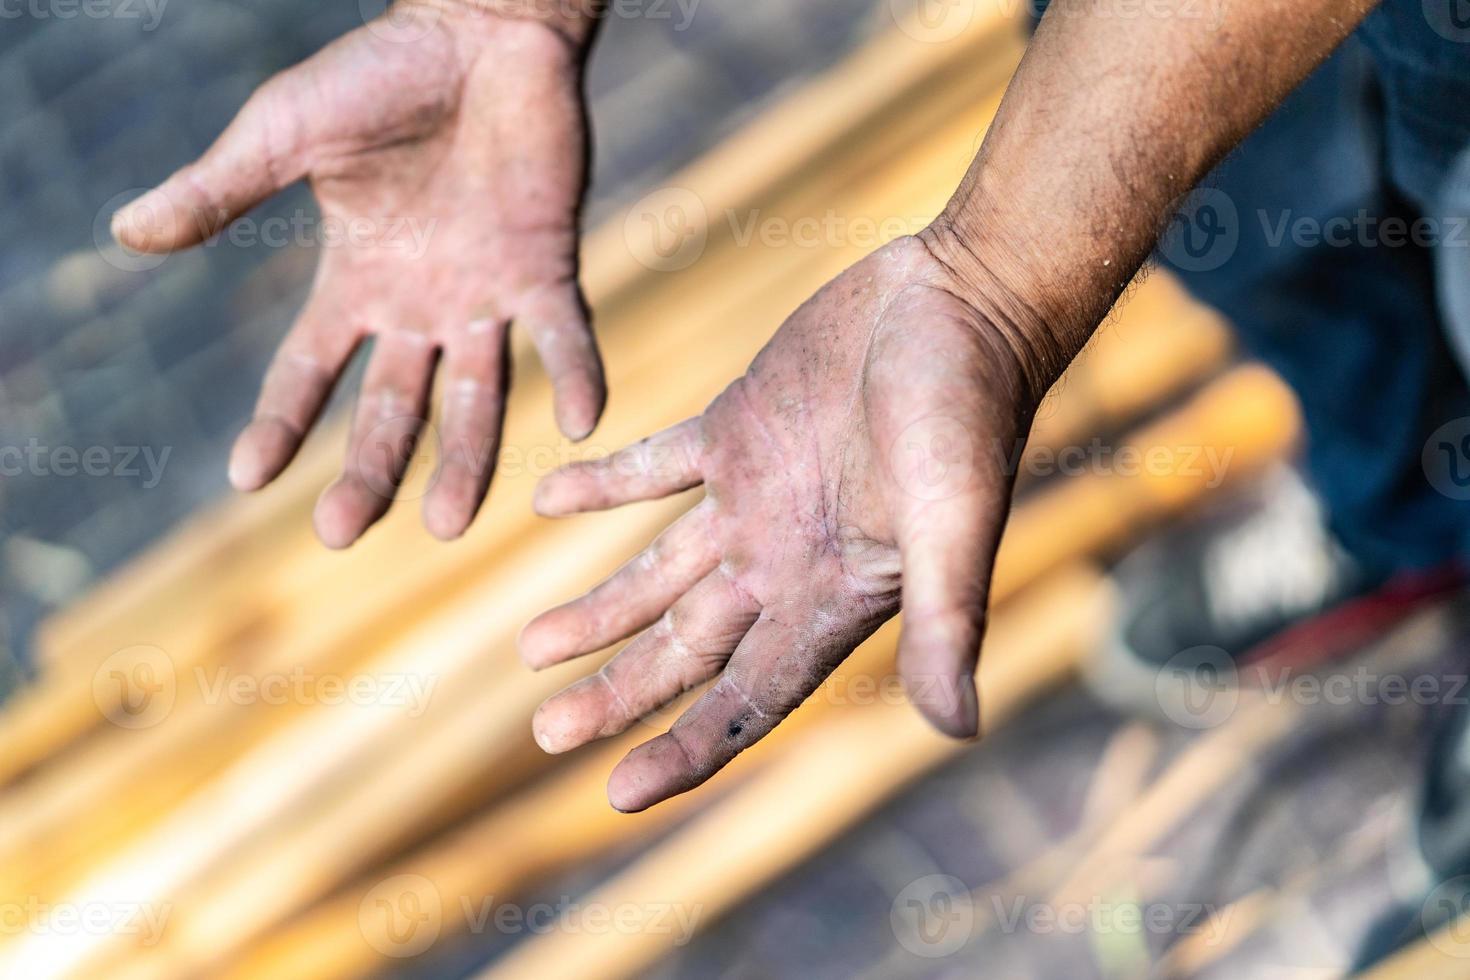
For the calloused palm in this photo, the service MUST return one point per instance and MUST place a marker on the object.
(850, 471)
(447, 149)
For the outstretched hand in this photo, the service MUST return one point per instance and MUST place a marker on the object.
(850, 471)
(856, 466)
(446, 146)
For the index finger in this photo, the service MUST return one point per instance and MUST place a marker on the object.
(662, 464)
(774, 669)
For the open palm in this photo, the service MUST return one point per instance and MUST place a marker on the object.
(850, 471)
(447, 148)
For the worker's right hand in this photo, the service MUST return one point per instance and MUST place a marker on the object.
(447, 144)
(854, 468)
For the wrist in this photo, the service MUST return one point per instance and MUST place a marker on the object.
(992, 280)
(575, 20)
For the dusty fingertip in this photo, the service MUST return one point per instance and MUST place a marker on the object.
(245, 472)
(446, 525)
(543, 500)
(444, 533)
(533, 657)
(543, 741)
(254, 460)
(118, 226)
(141, 225)
(578, 424)
(580, 397)
(579, 433)
(551, 737)
(333, 528)
(957, 714)
(650, 774)
(335, 539)
(623, 797)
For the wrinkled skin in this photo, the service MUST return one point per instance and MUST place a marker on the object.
(459, 209)
(850, 467)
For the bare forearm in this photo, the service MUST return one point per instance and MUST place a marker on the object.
(1109, 119)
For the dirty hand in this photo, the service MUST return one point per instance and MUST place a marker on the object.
(854, 466)
(852, 469)
(447, 145)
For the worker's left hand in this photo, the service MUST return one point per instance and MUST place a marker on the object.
(860, 459)
(446, 144)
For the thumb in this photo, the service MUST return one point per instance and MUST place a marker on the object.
(252, 159)
(939, 420)
(949, 504)
(947, 547)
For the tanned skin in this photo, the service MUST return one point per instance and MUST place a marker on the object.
(822, 517)
(820, 520)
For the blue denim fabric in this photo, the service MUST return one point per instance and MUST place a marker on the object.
(1353, 322)
(1364, 327)
(1421, 56)
(1366, 330)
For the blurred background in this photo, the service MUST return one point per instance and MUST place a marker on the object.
(227, 752)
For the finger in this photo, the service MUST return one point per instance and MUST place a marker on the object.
(949, 503)
(947, 548)
(629, 600)
(296, 387)
(684, 649)
(390, 416)
(474, 380)
(558, 323)
(772, 671)
(656, 467)
(259, 153)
